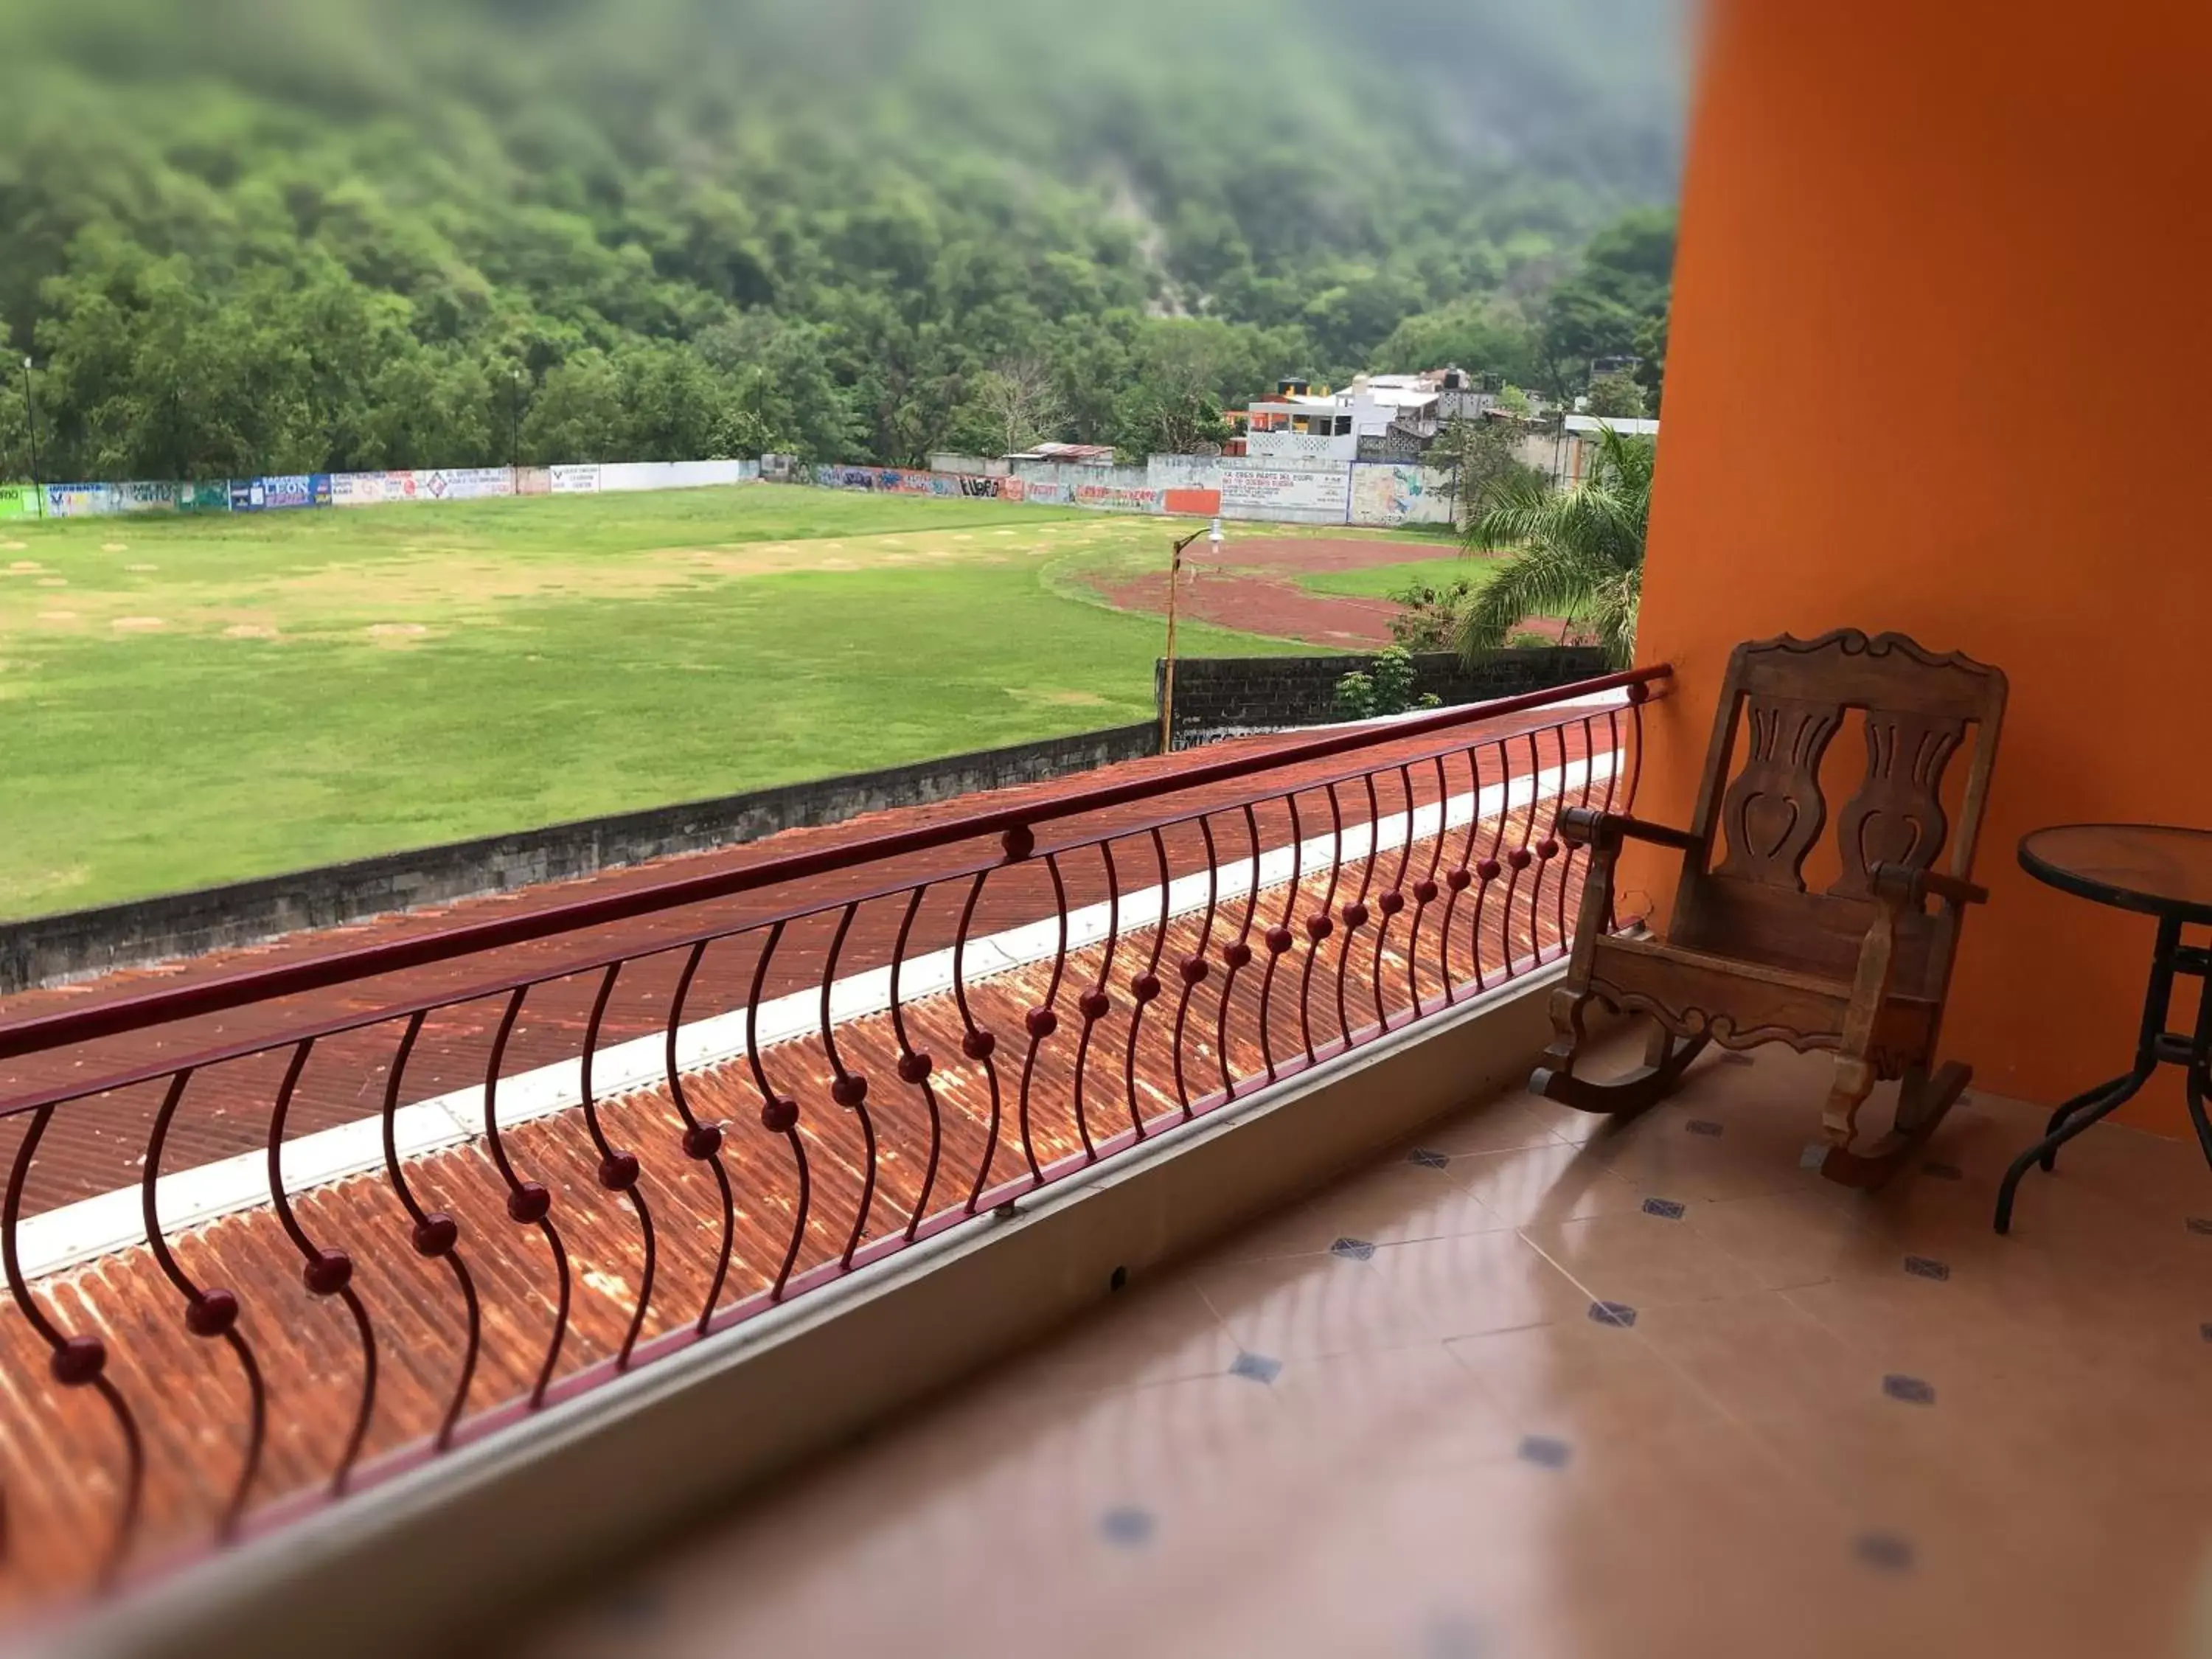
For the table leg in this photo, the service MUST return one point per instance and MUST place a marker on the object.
(2084, 1112)
(2086, 1101)
(2198, 1082)
(2100, 1103)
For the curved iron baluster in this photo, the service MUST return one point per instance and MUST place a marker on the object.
(779, 1114)
(1095, 1004)
(1320, 925)
(1355, 915)
(1041, 1022)
(436, 1236)
(702, 1142)
(1278, 936)
(209, 1313)
(529, 1204)
(1562, 851)
(76, 1362)
(1426, 889)
(914, 1068)
(1145, 988)
(1460, 875)
(849, 1089)
(978, 1044)
(1195, 968)
(1235, 955)
(619, 1171)
(1519, 859)
(325, 1273)
(1488, 871)
(1393, 900)
(1612, 778)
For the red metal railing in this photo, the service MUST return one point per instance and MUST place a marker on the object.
(273, 1235)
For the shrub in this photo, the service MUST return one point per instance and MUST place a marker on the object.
(1387, 688)
(1430, 621)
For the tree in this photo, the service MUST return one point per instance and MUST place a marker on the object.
(1577, 553)
(1616, 398)
(1607, 306)
(1019, 403)
(1486, 455)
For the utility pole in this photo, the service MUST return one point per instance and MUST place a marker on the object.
(1175, 583)
(31, 419)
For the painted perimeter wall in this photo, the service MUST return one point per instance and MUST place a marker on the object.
(1942, 267)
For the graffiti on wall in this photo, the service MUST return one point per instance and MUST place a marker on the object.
(1113, 498)
(904, 481)
(1392, 495)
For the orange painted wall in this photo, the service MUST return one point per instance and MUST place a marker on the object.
(1943, 336)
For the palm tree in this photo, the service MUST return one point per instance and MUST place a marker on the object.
(1576, 553)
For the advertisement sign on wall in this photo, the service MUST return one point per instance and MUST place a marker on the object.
(1293, 490)
(282, 491)
(575, 480)
(148, 497)
(79, 500)
(19, 501)
(467, 483)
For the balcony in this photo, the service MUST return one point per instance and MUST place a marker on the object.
(304, 1247)
(1135, 1165)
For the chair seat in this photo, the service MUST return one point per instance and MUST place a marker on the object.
(1741, 1002)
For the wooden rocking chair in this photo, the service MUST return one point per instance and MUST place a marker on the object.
(1751, 957)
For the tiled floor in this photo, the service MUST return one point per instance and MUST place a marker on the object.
(1528, 1388)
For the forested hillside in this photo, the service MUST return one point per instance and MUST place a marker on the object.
(244, 236)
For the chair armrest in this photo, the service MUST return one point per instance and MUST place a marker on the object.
(1902, 886)
(1585, 826)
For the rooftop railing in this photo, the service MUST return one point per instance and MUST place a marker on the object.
(272, 1236)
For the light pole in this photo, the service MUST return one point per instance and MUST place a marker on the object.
(1175, 582)
(31, 420)
(515, 429)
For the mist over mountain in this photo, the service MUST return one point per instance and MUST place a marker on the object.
(249, 235)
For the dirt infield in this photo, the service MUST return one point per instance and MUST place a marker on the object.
(1252, 584)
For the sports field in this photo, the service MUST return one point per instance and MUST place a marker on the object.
(185, 702)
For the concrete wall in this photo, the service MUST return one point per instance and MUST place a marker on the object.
(1219, 697)
(49, 950)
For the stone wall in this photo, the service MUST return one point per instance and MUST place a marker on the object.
(1218, 697)
(51, 950)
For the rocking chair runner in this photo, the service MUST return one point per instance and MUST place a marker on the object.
(1751, 957)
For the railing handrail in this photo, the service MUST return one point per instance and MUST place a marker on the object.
(120, 1016)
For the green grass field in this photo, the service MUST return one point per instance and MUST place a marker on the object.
(185, 702)
(1383, 581)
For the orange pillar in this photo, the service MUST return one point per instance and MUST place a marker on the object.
(1941, 336)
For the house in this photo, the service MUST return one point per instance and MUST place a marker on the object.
(1296, 425)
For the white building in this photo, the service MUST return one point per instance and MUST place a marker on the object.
(1297, 424)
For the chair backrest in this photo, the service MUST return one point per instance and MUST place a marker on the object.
(1744, 894)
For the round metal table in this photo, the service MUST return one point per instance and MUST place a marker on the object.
(2157, 871)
